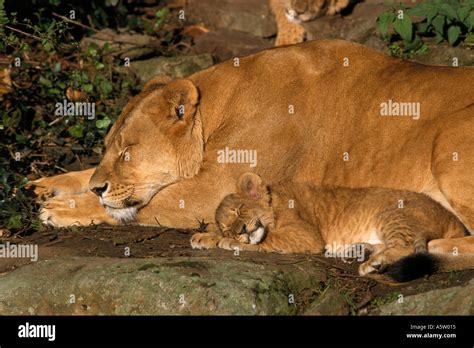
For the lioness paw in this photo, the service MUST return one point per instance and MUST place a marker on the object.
(204, 241)
(74, 210)
(64, 184)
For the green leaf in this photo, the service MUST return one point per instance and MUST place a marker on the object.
(20, 138)
(14, 222)
(54, 91)
(471, 21)
(422, 27)
(447, 10)
(105, 87)
(462, 13)
(57, 68)
(431, 12)
(439, 38)
(103, 123)
(77, 131)
(404, 28)
(45, 82)
(419, 10)
(453, 34)
(438, 24)
(161, 15)
(88, 88)
(99, 65)
(469, 40)
(413, 46)
(91, 51)
(383, 22)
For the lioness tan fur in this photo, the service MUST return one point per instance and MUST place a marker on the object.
(305, 218)
(311, 112)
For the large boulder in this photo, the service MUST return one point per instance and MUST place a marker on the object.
(186, 285)
(248, 16)
(458, 300)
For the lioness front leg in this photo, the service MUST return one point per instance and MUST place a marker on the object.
(71, 183)
(188, 203)
(82, 209)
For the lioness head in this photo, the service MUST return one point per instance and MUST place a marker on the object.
(156, 141)
(247, 215)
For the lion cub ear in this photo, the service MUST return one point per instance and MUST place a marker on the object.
(182, 97)
(250, 185)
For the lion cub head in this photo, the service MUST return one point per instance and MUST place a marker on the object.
(247, 215)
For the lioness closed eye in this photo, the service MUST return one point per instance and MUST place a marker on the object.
(304, 218)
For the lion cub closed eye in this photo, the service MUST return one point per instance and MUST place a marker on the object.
(304, 218)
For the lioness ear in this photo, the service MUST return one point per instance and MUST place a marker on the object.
(182, 97)
(250, 185)
(156, 82)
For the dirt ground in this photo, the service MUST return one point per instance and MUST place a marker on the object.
(363, 294)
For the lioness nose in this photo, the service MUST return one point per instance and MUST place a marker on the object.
(100, 190)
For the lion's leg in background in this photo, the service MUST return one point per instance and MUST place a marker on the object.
(63, 184)
(453, 164)
(463, 245)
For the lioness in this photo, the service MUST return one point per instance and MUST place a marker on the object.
(304, 218)
(310, 112)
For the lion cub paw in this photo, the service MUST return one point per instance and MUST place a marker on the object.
(375, 264)
(204, 240)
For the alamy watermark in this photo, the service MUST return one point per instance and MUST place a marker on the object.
(66, 108)
(228, 155)
(345, 251)
(394, 108)
(29, 251)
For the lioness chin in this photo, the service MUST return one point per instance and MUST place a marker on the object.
(304, 218)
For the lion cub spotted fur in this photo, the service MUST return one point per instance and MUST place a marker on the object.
(304, 218)
(290, 13)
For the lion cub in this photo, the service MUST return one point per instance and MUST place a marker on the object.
(289, 14)
(304, 218)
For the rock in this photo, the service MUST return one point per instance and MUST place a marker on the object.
(128, 45)
(457, 300)
(225, 44)
(330, 302)
(248, 16)
(444, 55)
(377, 43)
(357, 27)
(175, 67)
(157, 286)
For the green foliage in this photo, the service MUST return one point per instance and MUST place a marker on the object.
(382, 300)
(444, 20)
(53, 68)
(161, 16)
